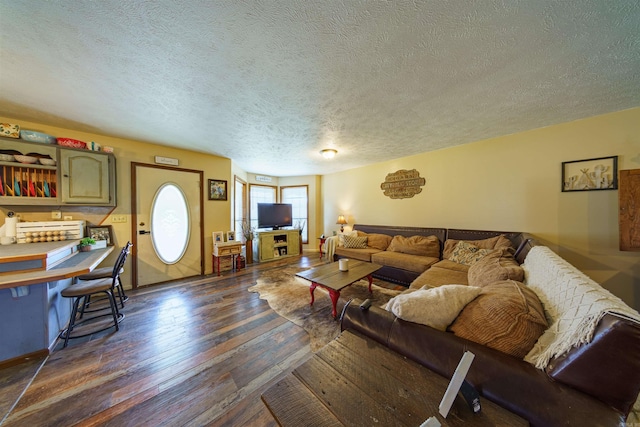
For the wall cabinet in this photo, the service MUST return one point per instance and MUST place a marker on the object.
(272, 245)
(79, 177)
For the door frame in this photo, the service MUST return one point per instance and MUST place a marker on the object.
(134, 214)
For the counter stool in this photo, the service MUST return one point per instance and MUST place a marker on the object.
(83, 291)
(106, 273)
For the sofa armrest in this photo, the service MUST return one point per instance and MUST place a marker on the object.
(508, 381)
(374, 322)
(614, 350)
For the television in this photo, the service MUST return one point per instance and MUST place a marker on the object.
(275, 215)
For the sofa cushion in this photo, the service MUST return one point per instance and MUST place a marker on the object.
(346, 233)
(435, 307)
(355, 242)
(506, 316)
(467, 253)
(415, 263)
(437, 276)
(379, 241)
(496, 242)
(495, 266)
(359, 254)
(416, 245)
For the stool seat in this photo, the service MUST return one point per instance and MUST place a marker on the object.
(86, 288)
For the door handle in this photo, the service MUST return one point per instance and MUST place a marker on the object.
(144, 232)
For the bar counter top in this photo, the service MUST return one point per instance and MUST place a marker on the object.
(75, 264)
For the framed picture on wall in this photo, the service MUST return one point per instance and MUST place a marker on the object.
(217, 189)
(101, 232)
(591, 174)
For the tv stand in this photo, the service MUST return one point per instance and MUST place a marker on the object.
(276, 244)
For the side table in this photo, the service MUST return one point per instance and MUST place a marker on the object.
(222, 249)
(322, 240)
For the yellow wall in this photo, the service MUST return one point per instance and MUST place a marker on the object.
(511, 183)
(217, 214)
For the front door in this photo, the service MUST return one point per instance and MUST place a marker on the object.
(166, 224)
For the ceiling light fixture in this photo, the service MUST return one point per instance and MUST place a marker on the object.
(328, 153)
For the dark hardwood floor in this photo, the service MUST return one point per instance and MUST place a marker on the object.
(195, 352)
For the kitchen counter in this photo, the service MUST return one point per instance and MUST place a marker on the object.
(32, 275)
(64, 262)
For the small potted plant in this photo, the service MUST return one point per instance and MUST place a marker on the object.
(85, 244)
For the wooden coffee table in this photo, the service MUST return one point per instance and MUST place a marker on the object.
(355, 381)
(333, 280)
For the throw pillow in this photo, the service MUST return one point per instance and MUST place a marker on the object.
(497, 242)
(435, 307)
(495, 266)
(355, 242)
(379, 241)
(506, 316)
(416, 245)
(467, 254)
(346, 233)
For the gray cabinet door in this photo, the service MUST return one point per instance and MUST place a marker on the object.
(87, 178)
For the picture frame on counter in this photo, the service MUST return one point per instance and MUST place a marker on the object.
(101, 232)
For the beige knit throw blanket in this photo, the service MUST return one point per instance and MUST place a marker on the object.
(573, 304)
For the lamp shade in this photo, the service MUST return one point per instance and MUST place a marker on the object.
(342, 221)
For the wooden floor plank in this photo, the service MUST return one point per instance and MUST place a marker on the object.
(193, 352)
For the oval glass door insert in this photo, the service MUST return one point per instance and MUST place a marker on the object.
(170, 223)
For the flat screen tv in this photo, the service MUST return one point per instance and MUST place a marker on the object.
(274, 215)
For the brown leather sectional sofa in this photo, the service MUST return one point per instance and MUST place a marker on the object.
(594, 384)
(399, 270)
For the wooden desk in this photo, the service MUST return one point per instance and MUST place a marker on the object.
(354, 381)
(223, 249)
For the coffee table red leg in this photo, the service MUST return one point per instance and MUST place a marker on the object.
(311, 289)
(370, 279)
(335, 295)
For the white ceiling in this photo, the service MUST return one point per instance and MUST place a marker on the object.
(270, 83)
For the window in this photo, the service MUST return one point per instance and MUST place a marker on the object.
(170, 223)
(298, 196)
(239, 205)
(259, 194)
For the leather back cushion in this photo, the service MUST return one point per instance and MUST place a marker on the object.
(495, 266)
(416, 245)
(506, 316)
(496, 242)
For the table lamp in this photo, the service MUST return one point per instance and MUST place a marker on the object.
(342, 222)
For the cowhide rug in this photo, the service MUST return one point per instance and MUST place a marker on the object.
(289, 296)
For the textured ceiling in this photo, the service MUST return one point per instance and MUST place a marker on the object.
(270, 83)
